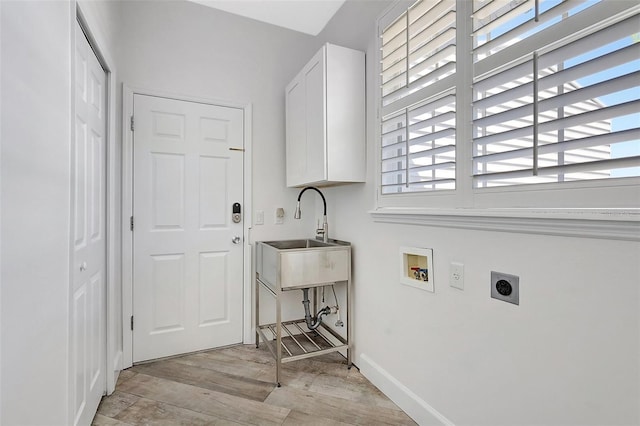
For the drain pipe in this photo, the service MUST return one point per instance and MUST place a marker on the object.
(311, 325)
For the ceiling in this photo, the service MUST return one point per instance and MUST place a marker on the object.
(306, 16)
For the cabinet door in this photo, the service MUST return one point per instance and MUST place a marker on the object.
(296, 132)
(315, 111)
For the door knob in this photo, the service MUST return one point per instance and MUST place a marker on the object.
(236, 240)
(83, 267)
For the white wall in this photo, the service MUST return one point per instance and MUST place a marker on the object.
(35, 191)
(568, 354)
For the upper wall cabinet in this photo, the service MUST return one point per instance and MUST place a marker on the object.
(325, 106)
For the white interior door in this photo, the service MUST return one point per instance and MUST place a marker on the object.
(88, 339)
(188, 263)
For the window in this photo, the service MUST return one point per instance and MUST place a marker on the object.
(562, 111)
(504, 96)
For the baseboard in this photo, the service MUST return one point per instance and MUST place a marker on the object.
(416, 408)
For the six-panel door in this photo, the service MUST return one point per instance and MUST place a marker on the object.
(188, 272)
(89, 234)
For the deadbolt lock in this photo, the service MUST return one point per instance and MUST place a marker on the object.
(236, 213)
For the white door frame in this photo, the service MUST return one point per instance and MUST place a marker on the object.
(97, 41)
(128, 93)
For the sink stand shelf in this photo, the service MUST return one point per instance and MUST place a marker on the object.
(300, 343)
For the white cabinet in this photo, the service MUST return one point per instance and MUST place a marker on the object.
(325, 107)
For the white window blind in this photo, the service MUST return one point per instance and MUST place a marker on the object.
(422, 41)
(420, 156)
(418, 63)
(569, 109)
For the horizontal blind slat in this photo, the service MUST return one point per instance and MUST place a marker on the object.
(437, 166)
(441, 102)
(399, 55)
(609, 164)
(399, 68)
(568, 145)
(438, 119)
(391, 104)
(504, 77)
(396, 131)
(447, 53)
(433, 181)
(434, 151)
(447, 133)
(483, 8)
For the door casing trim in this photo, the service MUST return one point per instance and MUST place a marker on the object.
(128, 93)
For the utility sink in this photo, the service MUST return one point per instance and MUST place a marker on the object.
(293, 264)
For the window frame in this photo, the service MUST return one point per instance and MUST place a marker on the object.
(615, 202)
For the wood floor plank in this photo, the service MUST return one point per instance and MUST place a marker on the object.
(100, 420)
(354, 388)
(208, 379)
(149, 412)
(229, 365)
(297, 418)
(125, 375)
(336, 408)
(113, 404)
(246, 353)
(205, 401)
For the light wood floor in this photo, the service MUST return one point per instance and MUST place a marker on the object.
(236, 386)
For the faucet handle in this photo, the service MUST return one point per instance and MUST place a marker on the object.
(323, 231)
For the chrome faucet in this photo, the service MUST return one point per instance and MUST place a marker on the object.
(324, 231)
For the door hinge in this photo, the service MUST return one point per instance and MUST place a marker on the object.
(131, 322)
(132, 123)
(131, 223)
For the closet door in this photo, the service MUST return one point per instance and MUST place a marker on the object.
(88, 164)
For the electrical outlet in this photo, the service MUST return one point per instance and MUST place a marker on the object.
(456, 275)
(505, 287)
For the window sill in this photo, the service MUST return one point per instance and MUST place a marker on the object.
(610, 224)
